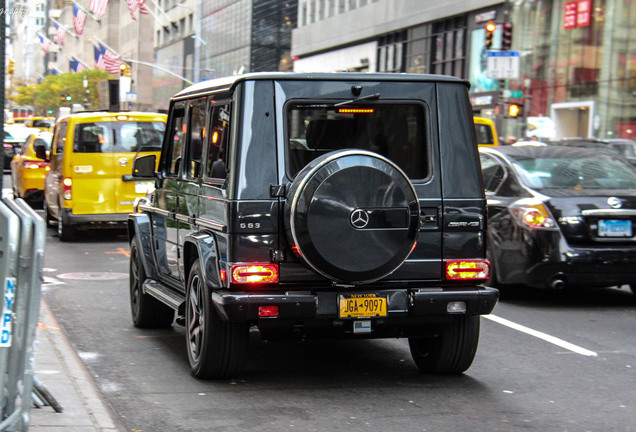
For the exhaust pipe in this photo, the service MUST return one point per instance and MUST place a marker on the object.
(558, 282)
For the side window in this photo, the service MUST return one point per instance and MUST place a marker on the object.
(492, 172)
(60, 138)
(217, 142)
(197, 136)
(178, 129)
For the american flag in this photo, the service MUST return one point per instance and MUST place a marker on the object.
(98, 7)
(79, 18)
(133, 5)
(60, 34)
(99, 57)
(75, 66)
(111, 63)
(44, 43)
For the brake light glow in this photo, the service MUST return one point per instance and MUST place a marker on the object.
(355, 110)
(67, 183)
(468, 269)
(35, 164)
(532, 213)
(254, 273)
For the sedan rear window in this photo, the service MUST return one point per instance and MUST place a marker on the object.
(115, 137)
(395, 131)
(575, 173)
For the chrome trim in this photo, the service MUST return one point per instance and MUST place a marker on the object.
(609, 212)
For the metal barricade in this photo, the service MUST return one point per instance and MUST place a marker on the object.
(22, 236)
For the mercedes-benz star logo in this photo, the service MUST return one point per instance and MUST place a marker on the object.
(359, 218)
(615, 202)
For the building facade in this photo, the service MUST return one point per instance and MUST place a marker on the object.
(576, 58)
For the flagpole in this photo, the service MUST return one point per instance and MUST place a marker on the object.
(64, 27)
(152, 65)
(86, 11)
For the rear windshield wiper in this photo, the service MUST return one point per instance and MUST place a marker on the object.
(362, 98)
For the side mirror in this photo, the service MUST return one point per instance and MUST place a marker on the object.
(144, 166)
(40, 151)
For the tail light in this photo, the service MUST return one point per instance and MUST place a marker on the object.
(67, 184)
(468, 269)
(254, 273)
(35, 164)
(532, 213)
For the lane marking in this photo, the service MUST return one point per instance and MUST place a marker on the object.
(544, 336)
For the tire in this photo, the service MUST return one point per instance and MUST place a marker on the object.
(216, 348)
(451, 351)
(64, 232)
(48, 218)
(146, 311)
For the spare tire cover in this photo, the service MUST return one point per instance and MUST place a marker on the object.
(352, 216)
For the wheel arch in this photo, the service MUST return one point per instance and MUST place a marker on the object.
(202, 246)
(139, 228)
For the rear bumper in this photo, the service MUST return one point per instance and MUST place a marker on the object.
(403, 304)
(96, 219)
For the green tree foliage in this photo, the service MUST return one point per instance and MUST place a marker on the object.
(49, 94)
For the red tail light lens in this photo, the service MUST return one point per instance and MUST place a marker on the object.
(268, 311)
(254, 273)
(68, 188)
(477, 269)
(35, 164)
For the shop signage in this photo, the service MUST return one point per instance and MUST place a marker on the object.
(577, 13)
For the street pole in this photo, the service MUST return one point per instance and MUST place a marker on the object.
(197, 41)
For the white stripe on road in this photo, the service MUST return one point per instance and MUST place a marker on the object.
(546, 337)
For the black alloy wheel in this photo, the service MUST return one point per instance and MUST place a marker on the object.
(146, 311)
(216, 348)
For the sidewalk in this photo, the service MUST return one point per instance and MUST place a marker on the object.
(60, 370)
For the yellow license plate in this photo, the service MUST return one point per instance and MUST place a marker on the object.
(362, 306)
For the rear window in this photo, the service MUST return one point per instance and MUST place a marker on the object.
(42, 123)
(484, 134)
(575, 173)
(395, 131)
(116, 137)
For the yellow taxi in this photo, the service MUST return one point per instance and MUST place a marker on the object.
(90, 182)
(486, 132)
(29, 167)
(42, 123)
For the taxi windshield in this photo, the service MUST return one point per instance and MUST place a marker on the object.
(120, 136)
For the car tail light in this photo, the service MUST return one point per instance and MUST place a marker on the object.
(532, 213)
(35, 164)
(467, 269)
(268, 311)
(67, 183)
(254, 273)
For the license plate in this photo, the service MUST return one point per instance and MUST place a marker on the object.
(362, 306)
(144, 187)
(614, 228)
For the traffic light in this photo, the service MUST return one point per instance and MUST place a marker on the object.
(490, 33)
(69, 97)
(10, 67)
(506, 37)
(124, 70)
(514, 110)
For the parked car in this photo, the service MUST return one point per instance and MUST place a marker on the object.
(90, 183)
(326, 205)
(30, 166)
(559, 216)
(602, 146)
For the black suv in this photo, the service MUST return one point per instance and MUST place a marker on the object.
(338, 205)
